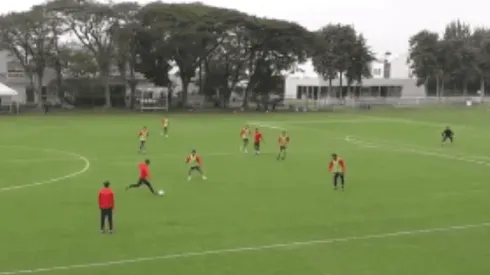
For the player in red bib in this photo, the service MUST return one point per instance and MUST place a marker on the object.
(258, 138)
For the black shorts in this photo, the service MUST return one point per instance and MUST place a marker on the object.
(450, 138)
(282, 148)
(245, 141)
(142, 141)
(195, 168)
(142, 181)
(257, 145)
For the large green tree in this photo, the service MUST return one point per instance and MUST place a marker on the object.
(274, 47)
(324, 57)
(361, 59)
(225, 67)
(340, 51)
(481, 50)
(460, 59)
(31, 36)
(93, 24)
(424, 57)
(188, 32)
(125, 35)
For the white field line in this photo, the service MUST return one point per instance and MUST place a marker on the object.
(402, 148)
(406, 149)
(434, 124)
(322, 121)
(34, 160)
(85, 168)
(226, 251)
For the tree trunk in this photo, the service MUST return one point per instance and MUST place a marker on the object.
(341, 96)
(438, 94)
(349, 86)
(127, 98)
(59, 82)
(107, 89)
(329, 92)
(170, 94)
(185, 90)
(426, 86)
(465, 88)
(245, 95)
(442, 87)
(38, 90)
(482, 89)
(132, 88)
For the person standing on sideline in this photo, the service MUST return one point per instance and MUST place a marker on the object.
(106, 205)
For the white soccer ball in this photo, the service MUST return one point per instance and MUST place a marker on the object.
(161, 193)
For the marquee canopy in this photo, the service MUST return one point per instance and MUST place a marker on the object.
(7, 91)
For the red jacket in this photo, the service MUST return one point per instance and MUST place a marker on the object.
(106, 198)
(144, 171)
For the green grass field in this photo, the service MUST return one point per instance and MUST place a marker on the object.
(411, 205)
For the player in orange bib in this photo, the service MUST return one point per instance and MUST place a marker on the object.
(245, 134)
(338, 169)
(143, 137)
(195, 162)
(165, 127)
(283, 141)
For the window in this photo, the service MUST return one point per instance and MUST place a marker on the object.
(299, 91)
(377, 72)
(315, 92)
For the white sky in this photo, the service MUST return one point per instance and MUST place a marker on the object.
(387, 24)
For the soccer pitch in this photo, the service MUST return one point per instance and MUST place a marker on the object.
(411, 206)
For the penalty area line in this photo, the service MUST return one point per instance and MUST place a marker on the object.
(277, 246)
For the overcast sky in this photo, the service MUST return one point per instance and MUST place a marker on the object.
(387, 24)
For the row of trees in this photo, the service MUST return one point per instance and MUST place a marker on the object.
(217, 48)
(459, 60)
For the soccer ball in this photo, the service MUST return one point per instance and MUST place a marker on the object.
(161, 193)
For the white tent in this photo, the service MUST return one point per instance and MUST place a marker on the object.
(7, 91)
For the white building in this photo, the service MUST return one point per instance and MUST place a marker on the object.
(12, 74)
(390, 78)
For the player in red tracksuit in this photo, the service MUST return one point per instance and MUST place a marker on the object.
(106, 206)
(144, 178)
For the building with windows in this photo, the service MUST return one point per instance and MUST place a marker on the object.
(390, 78)
(13, 75)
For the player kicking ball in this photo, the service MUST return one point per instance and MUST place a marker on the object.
(195, 162)
(245, 134)
(165, 127)
(283, 141)
(143, 136)
(144, 179)
(447, 135)
(337, 168)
